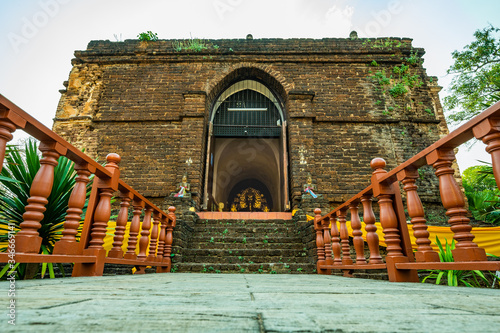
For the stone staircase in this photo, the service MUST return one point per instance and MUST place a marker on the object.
(245, 246)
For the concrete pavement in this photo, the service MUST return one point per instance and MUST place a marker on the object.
(188, 302)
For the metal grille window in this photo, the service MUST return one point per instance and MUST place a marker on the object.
(247, 113)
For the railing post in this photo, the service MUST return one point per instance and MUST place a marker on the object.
(144, 240)
(359, 243)
(134, 229)
(371, 230)
(489, 132)
(28, 239)
(385, 192)
(154, 237)
(454, 203)
(334, 231)
(169, 239)
(67, 244)
(320, 244)
(344, 237)
(416, 212)
(121, 224)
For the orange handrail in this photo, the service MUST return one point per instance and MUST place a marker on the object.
(400, 261)
(153, 237)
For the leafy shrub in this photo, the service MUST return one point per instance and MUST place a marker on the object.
(15, 183)
(148, 36)
(482, 193)
(454, 278)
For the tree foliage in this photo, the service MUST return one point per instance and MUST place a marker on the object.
(476, 84)
(482, 193)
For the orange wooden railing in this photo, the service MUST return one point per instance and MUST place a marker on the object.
(88, 254)
(333, 247)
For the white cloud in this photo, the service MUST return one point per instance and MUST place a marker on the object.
(339, 20)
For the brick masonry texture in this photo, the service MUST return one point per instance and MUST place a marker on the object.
(150, 104)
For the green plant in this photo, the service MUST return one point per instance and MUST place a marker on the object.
(413, 59)
(476, 76)
(272, 272)
(174, 269)
(454, 277)
(374, 64)
(147, 36)
(429, 111)
(20, 168)
(193, 44)
(211, 240)
(299, 269)
(482, 193)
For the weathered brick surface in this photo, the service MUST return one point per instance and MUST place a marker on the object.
(150, 104)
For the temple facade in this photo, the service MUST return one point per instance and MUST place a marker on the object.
(266, 125)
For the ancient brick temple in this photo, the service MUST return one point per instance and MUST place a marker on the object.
(252, 123)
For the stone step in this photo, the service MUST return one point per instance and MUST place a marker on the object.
(243, 239)
(245, 259)
(263, 268)
(239, 246)
(269, 230)
(245, 252)
(245, 222)
(249, 245)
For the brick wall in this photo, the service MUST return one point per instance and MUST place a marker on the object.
(150, 104)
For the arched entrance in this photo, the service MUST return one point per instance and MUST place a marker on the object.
(247, 159)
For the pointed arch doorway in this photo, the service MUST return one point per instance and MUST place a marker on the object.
(247, 155)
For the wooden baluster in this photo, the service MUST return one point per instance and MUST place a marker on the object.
(344, 237)
(28, 239)
(416, 212)
(334, 231)
(154, 237)
(328, 244)
(134, 229)
(169, 239)
(67, 244)
(97, 218)
(388, 217)
(359, 243)
(121, 224)
(385, 192)
(488, 131)
(320, 244)
(144, 240)
(454, 202)
(161, 239)
(6, 130)
(103, 209)
(371, 230)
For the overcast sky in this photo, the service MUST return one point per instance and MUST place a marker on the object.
(38, 37)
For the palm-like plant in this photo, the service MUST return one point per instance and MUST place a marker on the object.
(454, 278)
(16, 178)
